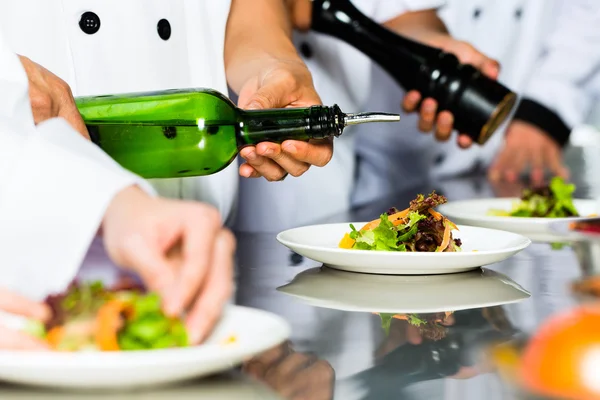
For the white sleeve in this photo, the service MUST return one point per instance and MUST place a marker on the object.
(388, 9)
(54, 189)
(568, 62)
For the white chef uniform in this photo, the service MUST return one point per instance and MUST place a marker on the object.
(54, 189)
(342, 75)
(114, 46)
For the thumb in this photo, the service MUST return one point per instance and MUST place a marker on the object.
(150, 262)
(270, 95)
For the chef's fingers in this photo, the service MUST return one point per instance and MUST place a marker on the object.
(247, 170)
(411, 101)
(13, 340)
(468, 54)
(284, 156)
(14, 303)
(428, 111)
(490, 68)
(313, 152)
(149, 261)
(517, 164)
(495, 172)
(264, 166)
(535, 156)
(201, 224)
(258, 366)
(554, 162)
(217, 290)
(464, 141)
(313, 383)
(445, 122)
(290, 366)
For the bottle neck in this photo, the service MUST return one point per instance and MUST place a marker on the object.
(278, 125)
(316, 122)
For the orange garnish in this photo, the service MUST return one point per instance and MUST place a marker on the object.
(108, 323)
(54, 337)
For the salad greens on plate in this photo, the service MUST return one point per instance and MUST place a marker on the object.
(552, 201)
(419, 228)
(431, 326)
(92, 317)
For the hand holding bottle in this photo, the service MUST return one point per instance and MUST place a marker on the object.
(444, 121)
(51, 97)
(17, 305)
(281, 84)
(527, 147)
(179, 249)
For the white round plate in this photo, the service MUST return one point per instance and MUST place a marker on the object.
(474, 213)
(346, 291)
(480, 247)
(255, 332)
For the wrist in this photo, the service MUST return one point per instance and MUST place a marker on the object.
(544, 119)
(128, 198)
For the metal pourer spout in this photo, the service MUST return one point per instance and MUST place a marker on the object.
(361, 118)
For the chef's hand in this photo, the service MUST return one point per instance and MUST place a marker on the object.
(443, 123)
(51, 97)
(15, 304)
(527, 146)
(293, 375)
(179, 249)
(282, 84)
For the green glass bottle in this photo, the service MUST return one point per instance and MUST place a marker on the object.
(193, 132)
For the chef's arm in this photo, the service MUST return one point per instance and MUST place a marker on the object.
(258, 33)
(265, 70)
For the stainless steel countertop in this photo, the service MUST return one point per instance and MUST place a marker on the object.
(358, 360)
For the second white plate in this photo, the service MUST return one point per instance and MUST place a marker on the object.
(475, 213)
(480, 247)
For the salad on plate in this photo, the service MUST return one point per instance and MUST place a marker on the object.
(91, 317)
(552, 201)
(418, 228)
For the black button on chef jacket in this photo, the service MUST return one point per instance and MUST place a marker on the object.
(89, 22)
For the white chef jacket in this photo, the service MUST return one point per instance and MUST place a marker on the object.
(342, 75)
(126, 53)
(54, 189)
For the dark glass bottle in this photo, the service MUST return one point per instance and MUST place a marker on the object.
(193, 132)
(479, 104)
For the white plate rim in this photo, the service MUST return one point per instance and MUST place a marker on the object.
(504, 218)
(526, 242)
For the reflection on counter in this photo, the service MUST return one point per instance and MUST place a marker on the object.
(429, 347)
(225, 387)
(340, 290)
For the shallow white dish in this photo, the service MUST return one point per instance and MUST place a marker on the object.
(346, 291)
(474, 213)
(480, 247)
(255, 331)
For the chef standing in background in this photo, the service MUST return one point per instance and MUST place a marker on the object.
(342, 75)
